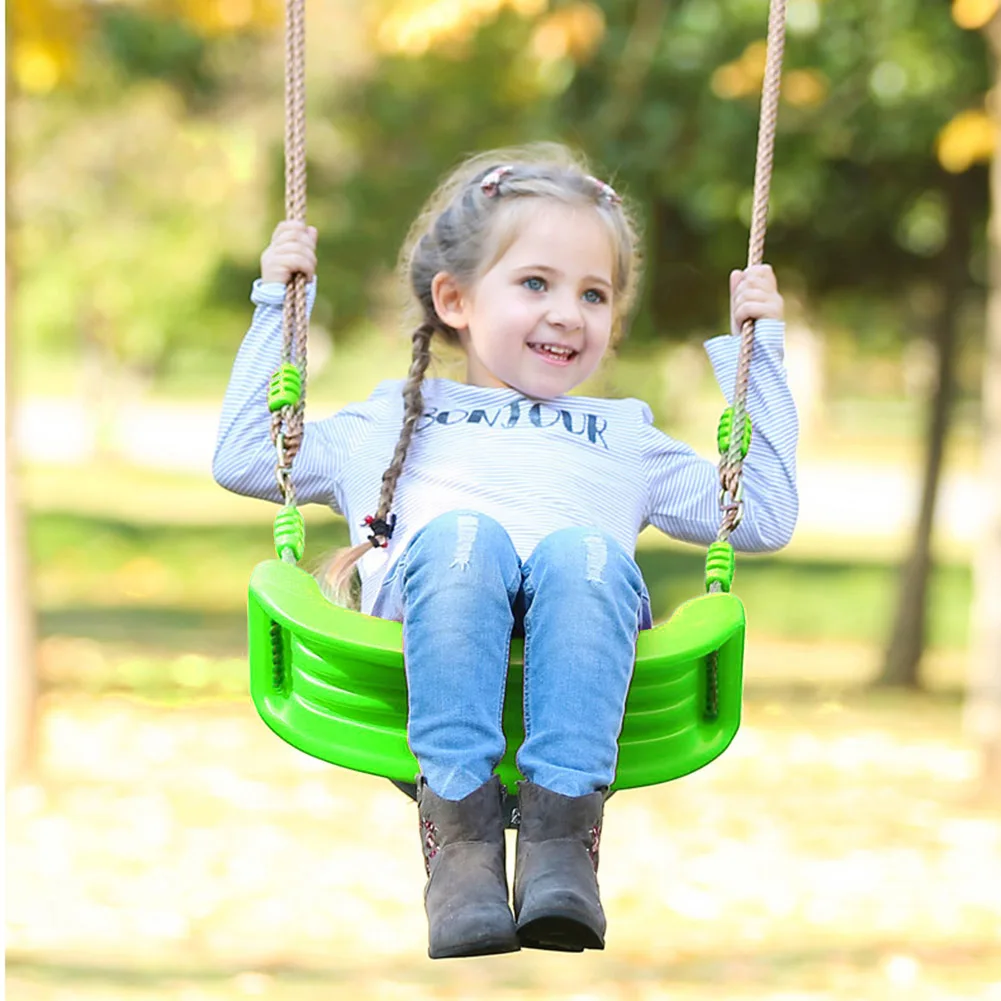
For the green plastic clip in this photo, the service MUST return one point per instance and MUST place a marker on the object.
(725, 429)
(290, 533)
(720, 565)
(285, 387)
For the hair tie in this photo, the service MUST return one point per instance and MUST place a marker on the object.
(381, 528)
(605, 191)
(490, 185)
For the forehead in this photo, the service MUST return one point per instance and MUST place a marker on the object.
(542, 231)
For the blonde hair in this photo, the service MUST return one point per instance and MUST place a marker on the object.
(465, 227)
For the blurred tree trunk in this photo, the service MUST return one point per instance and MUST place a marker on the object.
(21, 679)
(902, 660)
(20, 670)
(983, 708)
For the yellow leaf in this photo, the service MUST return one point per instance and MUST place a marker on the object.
(968, 139)
(804, 88)
(973, 14)
(585, 29)
(412, 27)
(753, 61)
(742, 77)
(36, 68)
(729, 82)
(45, 37)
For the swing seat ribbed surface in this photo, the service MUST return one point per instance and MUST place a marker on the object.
(331, 682)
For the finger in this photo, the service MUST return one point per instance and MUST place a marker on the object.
(762, 276)
(754, 296)
(735, 277)
(291, 226)
(299, 262)
(296, 230)
(757, 311)
(293, 243)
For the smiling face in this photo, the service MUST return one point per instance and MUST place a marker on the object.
(540, 319)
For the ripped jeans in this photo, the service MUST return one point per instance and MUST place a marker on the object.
(461, 590)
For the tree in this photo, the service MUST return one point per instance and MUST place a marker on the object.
(20, 668)
(154, 106)
(878, 192)
(983, 709)
(68, 102)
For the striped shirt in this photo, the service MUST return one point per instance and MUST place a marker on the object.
(535, 466)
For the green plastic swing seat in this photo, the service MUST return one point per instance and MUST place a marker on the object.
(330, 682)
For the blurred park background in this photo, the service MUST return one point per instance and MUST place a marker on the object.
(160, 842)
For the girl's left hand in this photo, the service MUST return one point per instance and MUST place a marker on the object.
(754, 295)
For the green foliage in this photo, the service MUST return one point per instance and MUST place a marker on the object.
(93, 577)
(143, 252)
(850, 164)
(402, 128)
(856, 180)
(146, 46)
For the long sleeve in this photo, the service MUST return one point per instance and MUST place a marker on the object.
(684, 487)
(244, 459)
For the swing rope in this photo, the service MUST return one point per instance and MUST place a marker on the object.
(732, 461)
(287, 421)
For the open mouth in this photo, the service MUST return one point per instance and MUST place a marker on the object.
(555, 354)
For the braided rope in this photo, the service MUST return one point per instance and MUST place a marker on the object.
(287, 423)
(732, 464)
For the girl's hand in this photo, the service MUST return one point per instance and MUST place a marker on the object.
(292, 249)
(754, 295)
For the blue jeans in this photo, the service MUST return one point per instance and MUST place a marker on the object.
(461, 591)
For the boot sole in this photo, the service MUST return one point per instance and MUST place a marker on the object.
(486, 947)
(559, 934)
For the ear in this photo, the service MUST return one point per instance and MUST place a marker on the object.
(450, 302)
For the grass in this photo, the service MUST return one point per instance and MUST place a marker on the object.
(185, 853)
(139, 578)
(170, 848)
(148, 606)
(103, 567)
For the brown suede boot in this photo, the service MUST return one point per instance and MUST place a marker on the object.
(556, 902)
(466, 894)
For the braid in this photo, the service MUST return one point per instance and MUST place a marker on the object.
(413, 407)
(336, 576)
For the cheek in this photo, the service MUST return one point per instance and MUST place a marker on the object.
(601, 333)
(518, 318)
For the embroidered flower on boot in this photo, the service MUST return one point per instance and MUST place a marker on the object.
(430, 842)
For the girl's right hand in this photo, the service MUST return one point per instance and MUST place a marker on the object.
(292, 249)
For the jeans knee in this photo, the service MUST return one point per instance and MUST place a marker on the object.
(452, 539)
(591, 550)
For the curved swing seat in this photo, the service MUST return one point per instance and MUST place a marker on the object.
(331, 682)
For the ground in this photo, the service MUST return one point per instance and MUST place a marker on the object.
(186, 853)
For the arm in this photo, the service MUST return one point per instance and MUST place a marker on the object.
(244, 459)
(684, 488)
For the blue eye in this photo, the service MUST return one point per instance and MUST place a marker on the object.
(593, 296)
(534, 284)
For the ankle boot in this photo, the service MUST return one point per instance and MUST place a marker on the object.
(466, 894)
(556, 902)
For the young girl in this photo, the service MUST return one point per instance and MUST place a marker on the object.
(499, 504)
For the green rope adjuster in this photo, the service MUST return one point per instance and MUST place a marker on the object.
(725, 429)
(290, 533)
(285, 387)
(719, 565)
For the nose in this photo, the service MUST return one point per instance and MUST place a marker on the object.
(564, 313)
